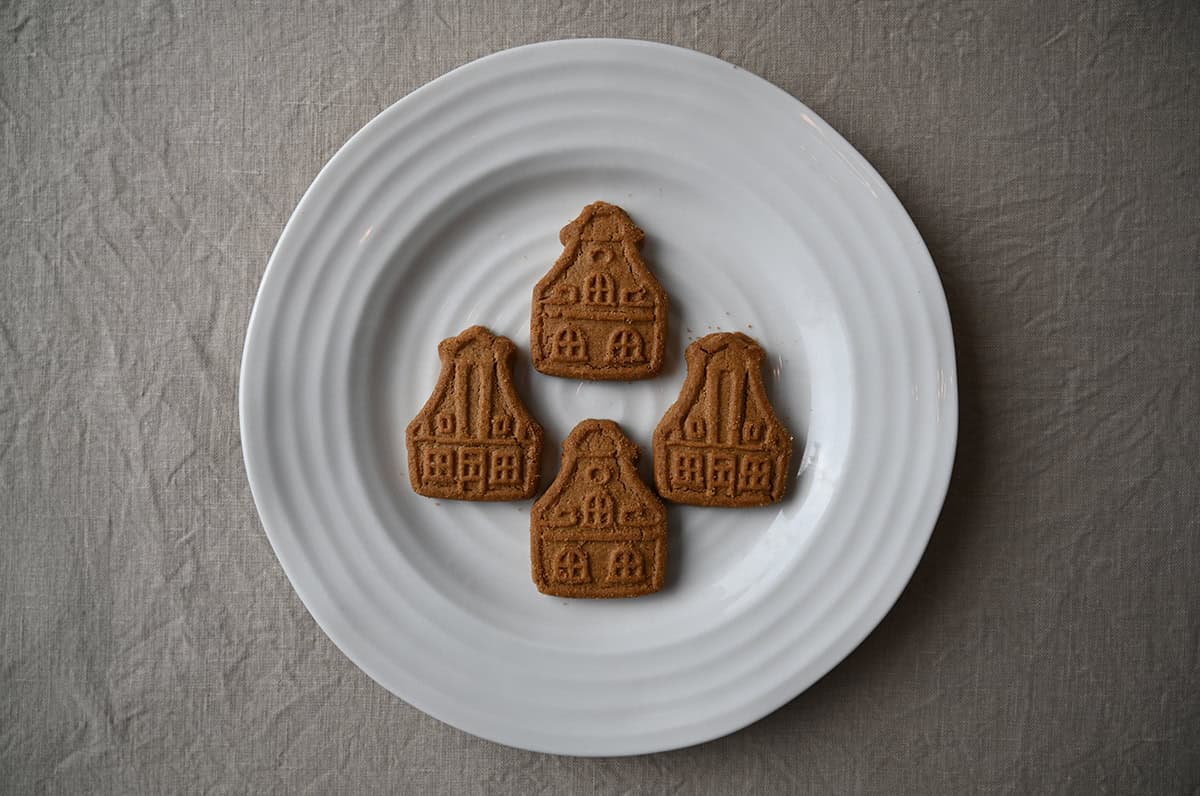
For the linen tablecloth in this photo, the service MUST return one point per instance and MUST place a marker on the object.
(1048, 152)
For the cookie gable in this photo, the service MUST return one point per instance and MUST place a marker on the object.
(474, 439)
(599, 313)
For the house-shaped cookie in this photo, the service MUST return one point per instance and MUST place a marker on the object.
(598, 531)
(721, 444)
(474, 439)
(599, 313)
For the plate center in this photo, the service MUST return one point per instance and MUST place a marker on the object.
(717, 253)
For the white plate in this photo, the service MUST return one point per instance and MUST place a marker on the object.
(442, 213)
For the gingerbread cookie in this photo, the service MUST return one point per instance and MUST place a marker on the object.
(721, 444)
(599, 313)
(598, 531)
(474, 439)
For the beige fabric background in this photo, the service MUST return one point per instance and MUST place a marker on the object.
(1049, 153)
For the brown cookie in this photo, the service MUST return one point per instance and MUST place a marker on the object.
(598, 531)
(721, 444)
(474, 439)
(599, 313)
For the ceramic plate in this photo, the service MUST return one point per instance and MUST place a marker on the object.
(444, 212)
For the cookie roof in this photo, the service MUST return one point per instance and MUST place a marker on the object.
(601, 221)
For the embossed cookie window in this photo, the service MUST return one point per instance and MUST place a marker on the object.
(626, 566)
(755, 473)
(445, 423)
(597, 510)
(571, 566)
(721, 477)
(752, 431)
(687, 469)
(625, 345)
(502, 425)
(470, 465)
(600, 289)
(570, 344)
(439, 464)
(505, 468)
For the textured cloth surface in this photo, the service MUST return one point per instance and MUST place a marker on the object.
(1049, 153)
